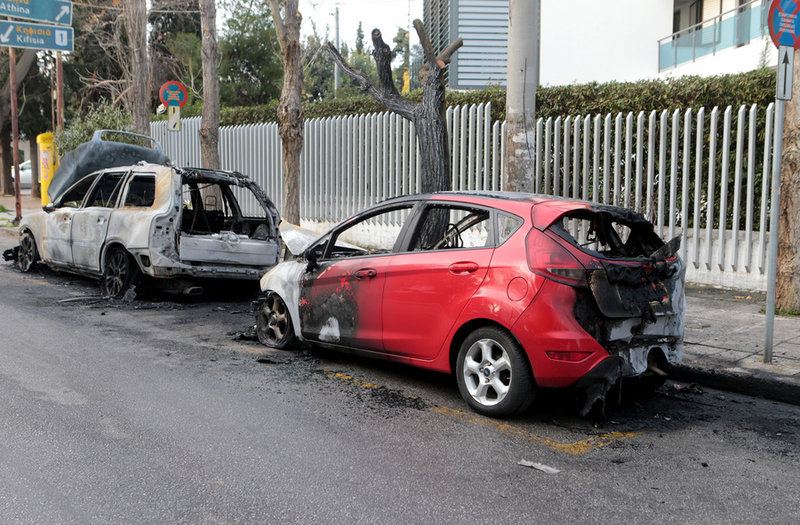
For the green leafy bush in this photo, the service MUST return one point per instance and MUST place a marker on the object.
(81, 129)
(754, 87)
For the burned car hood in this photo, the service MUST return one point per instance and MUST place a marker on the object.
(297, 238)
(99, 154)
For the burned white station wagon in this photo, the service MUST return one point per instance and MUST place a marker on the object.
(161, 221)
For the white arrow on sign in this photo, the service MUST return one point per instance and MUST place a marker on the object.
(7, 36)
(64, 11)
(783, 84)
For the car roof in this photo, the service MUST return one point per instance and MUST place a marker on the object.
(546, 209)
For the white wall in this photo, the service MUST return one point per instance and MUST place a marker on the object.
(587, 40)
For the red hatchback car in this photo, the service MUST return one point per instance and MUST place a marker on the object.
(507, 291)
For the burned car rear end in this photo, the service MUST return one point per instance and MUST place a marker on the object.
(624, 287)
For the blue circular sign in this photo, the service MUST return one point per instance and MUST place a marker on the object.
(784, 22)
(172, 93)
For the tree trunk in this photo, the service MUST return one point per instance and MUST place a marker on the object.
(290, 108)
(23, 66)
(209, 127)
(432, 138)
(787, 287)
(523, 77)
(136, 24)
(7, 163)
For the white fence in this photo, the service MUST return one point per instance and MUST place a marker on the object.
(703, 175)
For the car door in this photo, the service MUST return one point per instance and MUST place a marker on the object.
(90, 222)
(429, 284)
(56, 239)
(341, 295)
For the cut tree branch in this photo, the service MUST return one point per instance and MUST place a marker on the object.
(392, 100)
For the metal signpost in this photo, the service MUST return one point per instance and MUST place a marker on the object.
(173, 95)
(14, 34)
(784, 28)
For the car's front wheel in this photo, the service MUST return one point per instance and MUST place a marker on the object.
(274, 323)
(119, 274)
(27, 256)
(493, 374)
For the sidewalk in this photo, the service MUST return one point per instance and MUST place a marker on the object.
(723, 342)
(8, 202)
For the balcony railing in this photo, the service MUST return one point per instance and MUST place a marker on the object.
(729, 29)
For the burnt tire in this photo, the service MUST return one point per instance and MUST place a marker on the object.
(27, 255)
(493, 374)
(120, 274)
(274, 323)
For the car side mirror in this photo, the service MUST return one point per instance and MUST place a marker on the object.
(49, 207)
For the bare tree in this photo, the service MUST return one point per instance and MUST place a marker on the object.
(136, 24)
(290, 108)
(428, 116)
(209, 127)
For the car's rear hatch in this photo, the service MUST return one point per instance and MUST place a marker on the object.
(632, 297)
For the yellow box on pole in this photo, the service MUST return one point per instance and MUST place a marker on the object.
(48, 162)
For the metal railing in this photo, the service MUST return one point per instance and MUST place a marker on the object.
(732, 28)
(701, 174)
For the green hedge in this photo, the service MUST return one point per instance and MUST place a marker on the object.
(593, 98)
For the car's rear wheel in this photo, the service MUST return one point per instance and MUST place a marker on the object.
(493, 374)
(274, 323)
(120, 274)
(27, 256)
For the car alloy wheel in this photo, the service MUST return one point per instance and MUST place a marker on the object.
(119, 274)
(493, 375)
(27, 254)
(273, 322)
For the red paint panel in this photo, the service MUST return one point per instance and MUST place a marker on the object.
(425, 293)
(549, 325)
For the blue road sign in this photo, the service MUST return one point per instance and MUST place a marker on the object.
(52, 11)
(35, 36)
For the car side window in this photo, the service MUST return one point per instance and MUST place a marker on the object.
(445, 227)
(105, 192)
(373, 235)
(141, 191)
(73, 197)
(507, 225)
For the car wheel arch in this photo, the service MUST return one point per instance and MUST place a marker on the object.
(470, 326)
(115, 244)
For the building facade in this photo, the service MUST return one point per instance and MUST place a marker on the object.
(623, 40)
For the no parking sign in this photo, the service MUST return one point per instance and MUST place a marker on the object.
(173, 95)
(784, 28)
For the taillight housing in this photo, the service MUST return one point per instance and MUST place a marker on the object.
(548, 258)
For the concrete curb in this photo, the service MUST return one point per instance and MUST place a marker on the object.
(772, 388)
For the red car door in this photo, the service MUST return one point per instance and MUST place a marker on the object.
(428, 286)
(341, 296)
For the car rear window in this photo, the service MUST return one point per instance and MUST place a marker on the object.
(605, 235)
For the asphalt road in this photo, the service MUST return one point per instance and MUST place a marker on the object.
(157, 412)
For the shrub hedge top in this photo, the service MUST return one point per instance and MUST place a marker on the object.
(754, 87)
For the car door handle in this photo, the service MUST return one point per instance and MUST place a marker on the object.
(368, 273)
(101, 220)
(464, 267)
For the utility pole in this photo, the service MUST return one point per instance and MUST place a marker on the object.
(336, 67)
(522, 79)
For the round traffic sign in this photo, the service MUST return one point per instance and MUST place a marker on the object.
(784, 22)
(173, 93)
